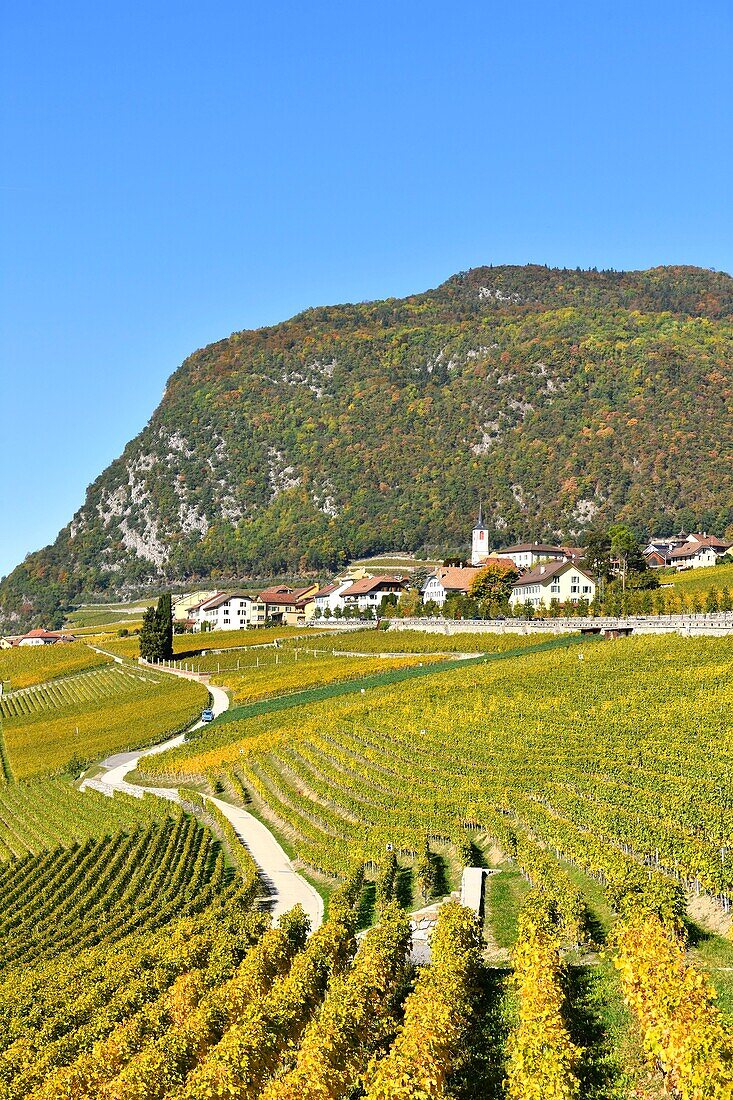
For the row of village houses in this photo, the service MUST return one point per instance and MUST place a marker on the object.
(559, 579)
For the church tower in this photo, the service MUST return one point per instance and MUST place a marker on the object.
(479, 540)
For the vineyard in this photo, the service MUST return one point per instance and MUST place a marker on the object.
(190, 645)
(27, 665)
(221, 1004)
(417, 641)
(273, 673)
(701, 581)
(101, 890)
(86, 716)
(92, 686)
(587, 775)
(135, 964)
(47, 813)
(120, 978)
(576, 738)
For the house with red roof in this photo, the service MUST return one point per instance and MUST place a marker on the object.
(328, 598)
(41, 637)
(290, 606)
(457, 580)
(369, 592)
(698, 552)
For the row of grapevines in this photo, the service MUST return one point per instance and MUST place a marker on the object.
(681, 1028)
(437, 1015)
(77, 897)
(250, 1050)
(208, 808)
(23, 666)
(358, 1014)
(54, 1011)
(40, 814)
(161, 1064)
(542, 1058)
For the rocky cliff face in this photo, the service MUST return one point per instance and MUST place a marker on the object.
(559, 398)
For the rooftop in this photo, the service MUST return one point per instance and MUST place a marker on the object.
(536, 547)
(543, 573)
(368, 584)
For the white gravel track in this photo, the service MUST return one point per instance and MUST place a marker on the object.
(284, 887)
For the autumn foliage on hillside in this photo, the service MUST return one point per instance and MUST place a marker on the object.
(559, 398)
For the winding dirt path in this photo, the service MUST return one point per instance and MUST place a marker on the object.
(285, 887)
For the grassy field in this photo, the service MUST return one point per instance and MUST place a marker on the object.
(26, 665)
(102, 614)
(89, 620)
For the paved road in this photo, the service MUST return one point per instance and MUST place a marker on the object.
(284, 886)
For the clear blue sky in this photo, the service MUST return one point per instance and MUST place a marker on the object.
(172, 172)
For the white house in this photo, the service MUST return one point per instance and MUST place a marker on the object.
(228, 611)
(369, 592)
(448, 581)
(698, 552)
(555, 580)
(42, 637)
(329, 597)
(455, 581)
(289, 606)
(528, 554)
(183, 604)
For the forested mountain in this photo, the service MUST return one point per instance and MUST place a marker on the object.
(559, 398)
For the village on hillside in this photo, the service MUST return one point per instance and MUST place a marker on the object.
(532, 579)
(537, 576)
(527, 579)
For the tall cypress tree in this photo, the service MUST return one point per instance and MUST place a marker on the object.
(156, 633)
(164, 624)
(149, 635)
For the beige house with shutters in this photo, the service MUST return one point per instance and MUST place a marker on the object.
(554, 580)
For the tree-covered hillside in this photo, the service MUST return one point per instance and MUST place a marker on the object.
(557, 397)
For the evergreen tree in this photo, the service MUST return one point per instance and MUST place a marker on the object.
(149, 635)
(156, 633)
(164, 624)
(425, 873)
